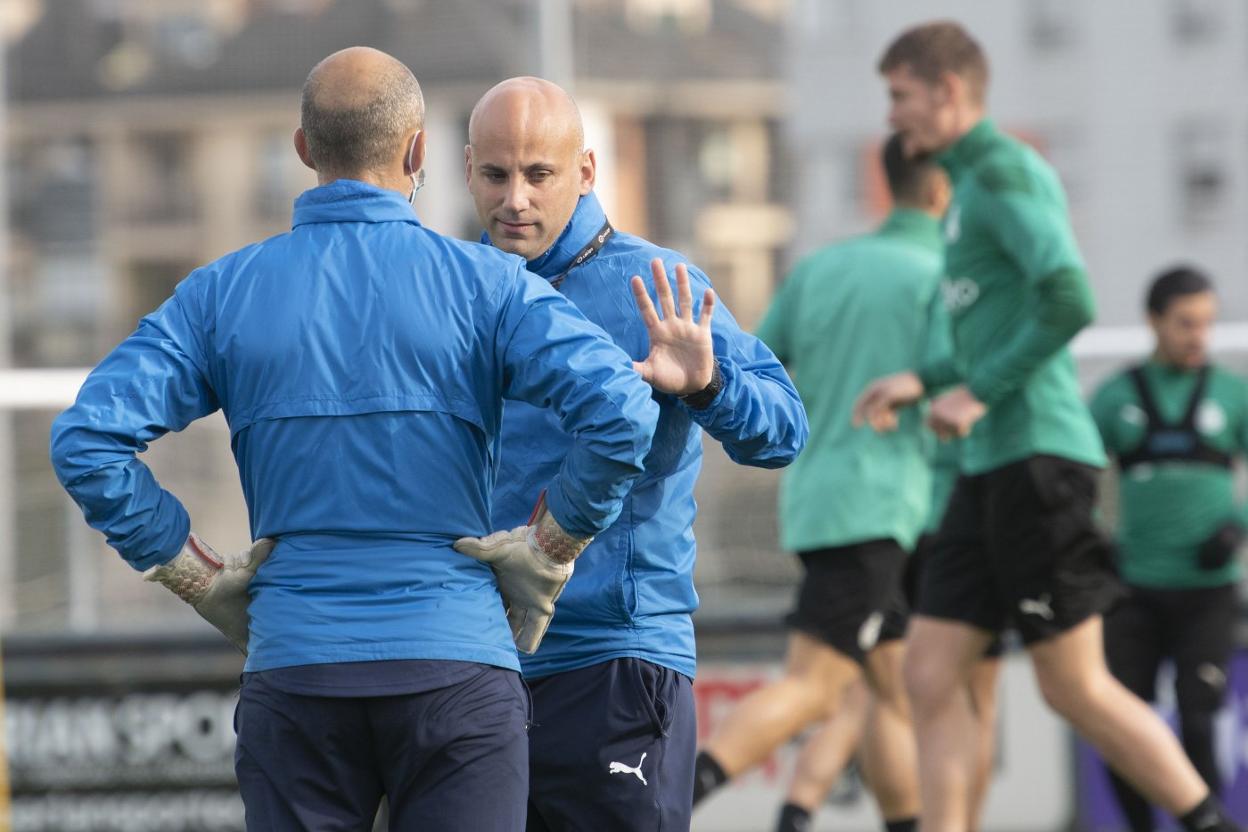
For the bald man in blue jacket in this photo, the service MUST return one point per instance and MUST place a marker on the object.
(613, 740)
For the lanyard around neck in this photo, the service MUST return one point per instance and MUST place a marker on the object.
(588, 253)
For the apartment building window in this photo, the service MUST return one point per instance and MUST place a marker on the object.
(1195, 22)
(1051, 25)
(161, 178)
(1199, 148)
(53, 187)
(685, 16)
(148, 284)
(280, 176)
(688, 165)
(1064, 147)
(55, 277)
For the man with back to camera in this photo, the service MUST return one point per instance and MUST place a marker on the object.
(854, 503)
(1018, 542)
(614, 730)
(1175, 425)
(361, 361)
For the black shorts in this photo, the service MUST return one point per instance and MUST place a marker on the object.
(851, 597)
(910, 584)
(1193, 627)
(1019, 547)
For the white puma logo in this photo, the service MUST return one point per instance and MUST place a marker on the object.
(1041, 606)
(620, 768)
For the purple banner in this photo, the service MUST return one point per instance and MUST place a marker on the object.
(1097, 806)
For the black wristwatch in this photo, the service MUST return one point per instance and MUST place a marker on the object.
(701, 399)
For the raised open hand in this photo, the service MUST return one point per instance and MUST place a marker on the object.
(681, 359)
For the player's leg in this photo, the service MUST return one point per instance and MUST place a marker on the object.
(840, 614)
(1134, 645)
(304, 762)
(814, 680)
(823, 759)
(940, 657)
(455, 757)
(889, 756)
(983, 692)
(957, 612)
(1075, 682)
(612, 747)
(887, 746)
(1056, 566)
(1202, 626)
(829, 749)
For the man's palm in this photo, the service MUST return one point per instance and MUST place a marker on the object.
(681, 359)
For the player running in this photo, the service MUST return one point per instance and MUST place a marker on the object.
(854, 503)
(1018, 543)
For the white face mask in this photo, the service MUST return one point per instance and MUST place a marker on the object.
(418, 182)
(418, 178)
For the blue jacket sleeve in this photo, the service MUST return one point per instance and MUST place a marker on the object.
(758, 416)
(152, 383)
(553, 357)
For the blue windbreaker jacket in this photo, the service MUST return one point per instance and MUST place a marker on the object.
(360, 360)
(632, 592)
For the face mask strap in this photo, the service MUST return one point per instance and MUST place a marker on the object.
(418, 177)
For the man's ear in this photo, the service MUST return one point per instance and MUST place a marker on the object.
(951, 87)
(589, 171)
(415, 159)
(468, 163)
(301, 147)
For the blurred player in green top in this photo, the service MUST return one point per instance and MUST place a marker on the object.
(1018, 545)
(1175, 424)
(854, 502)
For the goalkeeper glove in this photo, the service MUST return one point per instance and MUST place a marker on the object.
(531, 564)
(215, 586)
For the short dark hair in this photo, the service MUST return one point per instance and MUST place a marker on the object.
(348, 140)
(906, 176)
(932, 49)
(1174, 283)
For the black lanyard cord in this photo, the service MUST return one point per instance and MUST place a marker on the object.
(588, 253)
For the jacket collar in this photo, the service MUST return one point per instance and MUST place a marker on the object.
(915, 225)
(346, 200)
(587, 220)
(962, 155)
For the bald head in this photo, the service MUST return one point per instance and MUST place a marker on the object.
(529, 107)
(359, 108)
(526, 164)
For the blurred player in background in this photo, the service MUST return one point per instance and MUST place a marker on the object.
(854, 503)
(1175, 424)
(1018, 542)
(361, 362)
(614, 728)
(826, 753)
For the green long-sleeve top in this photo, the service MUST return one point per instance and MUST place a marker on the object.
(846, 315)
(1016, 291)
(1166, 510)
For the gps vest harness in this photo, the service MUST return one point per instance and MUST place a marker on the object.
(1163, 442)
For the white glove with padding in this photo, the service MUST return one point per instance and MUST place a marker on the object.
(215, 586)
(531, 563)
